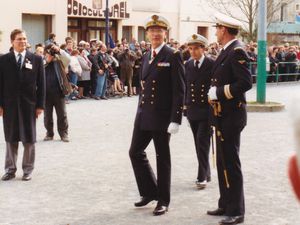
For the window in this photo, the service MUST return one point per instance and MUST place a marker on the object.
(127, 33)
(72, 23)
(142, 34)
(37, 27)
(98, 23)
(203, 31)
(284, 12)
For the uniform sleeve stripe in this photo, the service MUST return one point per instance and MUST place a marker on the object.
(227, 92)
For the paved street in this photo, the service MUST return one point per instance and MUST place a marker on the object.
(89, 181)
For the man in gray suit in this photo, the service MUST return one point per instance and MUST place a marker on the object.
(22, 100)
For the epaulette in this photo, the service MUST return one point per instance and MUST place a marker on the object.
(175, 51)
(238, 48)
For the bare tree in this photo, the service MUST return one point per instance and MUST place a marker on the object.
(248, 9)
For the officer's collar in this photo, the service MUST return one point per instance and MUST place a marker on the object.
(157, 50)
(228, 44)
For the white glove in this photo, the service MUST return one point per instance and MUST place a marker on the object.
(173, 128)
(212, 93)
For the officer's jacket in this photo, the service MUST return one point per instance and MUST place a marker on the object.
(232, 78)
(162, 90)
(198, 80)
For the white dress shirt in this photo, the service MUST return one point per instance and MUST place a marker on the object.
(157, 50)
(17, 56)
(200, 61)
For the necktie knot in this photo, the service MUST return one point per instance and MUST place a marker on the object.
(197, 64)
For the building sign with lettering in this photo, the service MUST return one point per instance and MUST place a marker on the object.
(96, 9)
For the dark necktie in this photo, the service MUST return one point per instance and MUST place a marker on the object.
(154, 54)
(197, 64)
(19, 63)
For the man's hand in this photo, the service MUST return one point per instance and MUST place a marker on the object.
(212, 94)
(101, 72)
(173, 128)
(38, 112)
(1, 111)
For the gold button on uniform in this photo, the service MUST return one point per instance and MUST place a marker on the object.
(153, 89)
(151, 102)
(202, 85)
(152, 96)
(202, 101)
(192, 85)
(153, 81)
(193, 100)
(143, 102)
(192, 90)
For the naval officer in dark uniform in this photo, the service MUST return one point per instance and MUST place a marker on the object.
(158, 115)
(231, 78)
(196, 106)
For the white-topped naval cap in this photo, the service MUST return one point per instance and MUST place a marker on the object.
(226, 21)
(197, 39)
(157, 21)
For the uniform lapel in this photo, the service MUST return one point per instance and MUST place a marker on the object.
(146, 64)
(160, 56)
(198, 71)
(12, 59)
(222, 56)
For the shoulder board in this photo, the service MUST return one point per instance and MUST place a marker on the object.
(238, 48)
(175, 51)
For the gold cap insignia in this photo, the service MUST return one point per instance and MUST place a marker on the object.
(155, 17)
(194, 36)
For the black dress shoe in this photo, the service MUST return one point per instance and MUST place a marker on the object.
(103, 98)
(217, 212)
(144, 201)
(160, 210)
(48, 138)
(65, 139)
(232, 220)
(8, 176)
(26, 177)
(208, 179)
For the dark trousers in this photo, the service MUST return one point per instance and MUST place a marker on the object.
(93, 82)
(202, 132)
(232, 198)
(12, 156)
(147, 184)
(59, 104)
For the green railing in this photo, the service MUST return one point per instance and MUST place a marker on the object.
(278, 76)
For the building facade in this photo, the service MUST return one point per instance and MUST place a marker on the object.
(285, 24)
(85, 19)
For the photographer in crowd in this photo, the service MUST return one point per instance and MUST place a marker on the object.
(57, 86)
